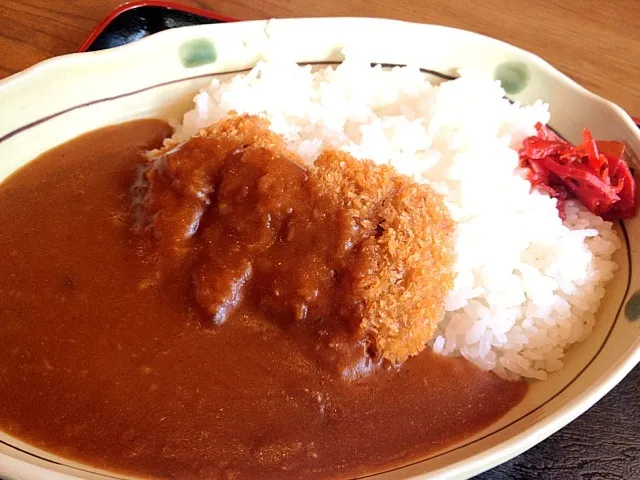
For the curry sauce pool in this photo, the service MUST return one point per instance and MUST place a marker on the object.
(98, 370)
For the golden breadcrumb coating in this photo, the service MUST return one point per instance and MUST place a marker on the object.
(406, 262)
(399, 232)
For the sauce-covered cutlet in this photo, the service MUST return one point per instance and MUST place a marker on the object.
(350, 256)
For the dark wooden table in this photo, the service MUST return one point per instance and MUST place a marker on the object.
(596, 43)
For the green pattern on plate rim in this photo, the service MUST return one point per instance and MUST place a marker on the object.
(632, 309)
(514, 76)
(197, 52)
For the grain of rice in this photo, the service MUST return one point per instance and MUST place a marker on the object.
(527, 284)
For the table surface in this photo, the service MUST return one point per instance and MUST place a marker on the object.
(595, 43)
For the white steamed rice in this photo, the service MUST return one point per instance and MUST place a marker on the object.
(527, 285)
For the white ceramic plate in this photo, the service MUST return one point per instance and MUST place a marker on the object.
(61, 98)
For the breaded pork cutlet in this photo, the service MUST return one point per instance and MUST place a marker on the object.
(406, 256)
(342, 241)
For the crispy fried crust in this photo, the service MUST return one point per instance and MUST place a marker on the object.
(405, 267)
(185, 174)
(400, 232)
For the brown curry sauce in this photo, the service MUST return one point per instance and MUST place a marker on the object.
(97, 369)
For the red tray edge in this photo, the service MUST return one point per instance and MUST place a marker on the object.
(147, 3)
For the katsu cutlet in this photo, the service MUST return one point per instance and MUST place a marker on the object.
(406, 252)
(345, 247)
